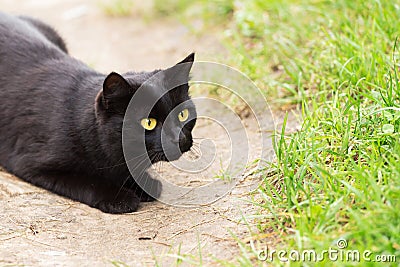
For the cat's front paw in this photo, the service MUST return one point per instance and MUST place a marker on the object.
(153, 189)
(125, 202)
(115, 207)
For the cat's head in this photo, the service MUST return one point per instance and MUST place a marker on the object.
(160, 112)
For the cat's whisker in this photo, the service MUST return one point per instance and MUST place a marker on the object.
(197, 151)
(191, 155)
(123, 184)
(200, 158)
(194, 152)
(203, 145)
(122, 163)
(152, 158)
(113, 166)
(160, 165)
(200, 139)
(145, 161)
(139, 175)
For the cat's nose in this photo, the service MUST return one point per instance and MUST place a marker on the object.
(179, 139)
(175, 140)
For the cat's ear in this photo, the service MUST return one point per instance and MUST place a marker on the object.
(115, 86)
(187, 64)
(179, 74)
(116, 92)
(188, 59)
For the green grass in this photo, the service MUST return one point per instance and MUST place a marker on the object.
(187, 10)
(339, 176)
(336, 63)
(117, 8)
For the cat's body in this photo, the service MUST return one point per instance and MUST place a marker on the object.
(46, 31)
(61, 121)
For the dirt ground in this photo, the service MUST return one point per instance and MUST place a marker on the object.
(38, 228)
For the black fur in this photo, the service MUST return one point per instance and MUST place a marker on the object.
(47, 31)
(61, 121)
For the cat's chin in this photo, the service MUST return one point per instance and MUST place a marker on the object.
(167, 159)
(163, 157)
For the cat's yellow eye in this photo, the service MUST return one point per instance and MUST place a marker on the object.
(149, 123)
(183, 115)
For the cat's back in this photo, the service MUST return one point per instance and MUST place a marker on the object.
(29, 64)
(40, 86)
(34, 64)
(22, 42)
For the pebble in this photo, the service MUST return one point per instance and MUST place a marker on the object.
(61, 236)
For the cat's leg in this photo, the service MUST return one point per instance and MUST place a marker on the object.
(149, 189)
(94, 192)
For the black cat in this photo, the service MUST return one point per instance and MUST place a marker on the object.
(61, 122)
(47, 31)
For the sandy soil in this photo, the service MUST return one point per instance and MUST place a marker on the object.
(38, 228)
